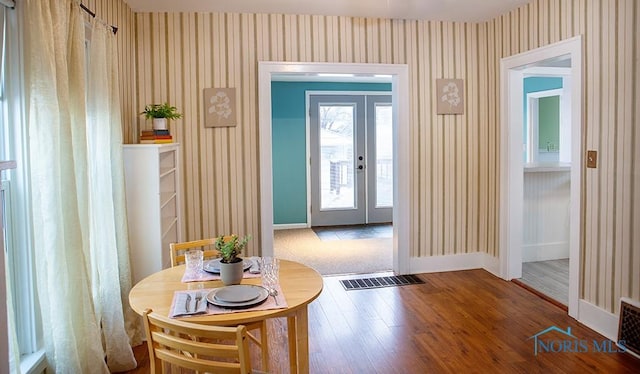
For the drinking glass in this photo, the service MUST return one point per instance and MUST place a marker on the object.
(270, 269)
(194, 259)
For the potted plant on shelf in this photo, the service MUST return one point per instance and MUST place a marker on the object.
(231, 265)
(160, 113)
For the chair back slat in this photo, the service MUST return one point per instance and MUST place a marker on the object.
(194, 346)
(177, 250)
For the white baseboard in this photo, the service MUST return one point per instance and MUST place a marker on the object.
(290, 226)
(436, 264)
(545, 251)
(598, 320)
(491, 264)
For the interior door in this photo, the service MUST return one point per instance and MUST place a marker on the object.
(337, 159)
(351, 159)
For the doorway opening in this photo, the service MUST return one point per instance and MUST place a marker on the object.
(398, 76)
(558, 167)
(547, 179)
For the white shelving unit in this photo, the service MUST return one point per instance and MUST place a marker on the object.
(152, 176)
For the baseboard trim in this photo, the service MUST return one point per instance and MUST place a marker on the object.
(491, 264)
(437, 264)
(598, 320)
(545, 251)
(290, 226)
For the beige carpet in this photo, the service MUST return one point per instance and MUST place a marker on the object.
(334, 256)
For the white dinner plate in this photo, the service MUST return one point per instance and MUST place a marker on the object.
(240, 291)
(213, 266)
(237, 294)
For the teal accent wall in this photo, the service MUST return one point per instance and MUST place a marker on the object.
(288, 137)
(549, 122)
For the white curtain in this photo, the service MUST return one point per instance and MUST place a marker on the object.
(78, 209)
(109, 240)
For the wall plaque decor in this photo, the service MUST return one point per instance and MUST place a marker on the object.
(219, 107)
(450, 95)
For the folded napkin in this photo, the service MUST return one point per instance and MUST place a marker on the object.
(186, 303)
(255, 267)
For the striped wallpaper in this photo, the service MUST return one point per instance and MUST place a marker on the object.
(610, 264)
(455, 189)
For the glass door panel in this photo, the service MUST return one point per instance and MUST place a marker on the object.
(336, 142)
(384, 156)
(379, 159)
(336, 156)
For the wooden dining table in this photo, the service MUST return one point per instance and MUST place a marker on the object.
(300, 285)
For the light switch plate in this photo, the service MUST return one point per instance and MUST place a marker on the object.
(592, 159)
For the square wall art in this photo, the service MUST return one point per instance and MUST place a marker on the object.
(450, 95)
(219, 107)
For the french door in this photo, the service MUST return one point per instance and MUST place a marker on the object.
(351, 159)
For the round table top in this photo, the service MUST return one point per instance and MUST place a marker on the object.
(300, 285)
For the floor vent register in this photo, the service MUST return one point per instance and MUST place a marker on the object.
(629, 328)
(390, 281)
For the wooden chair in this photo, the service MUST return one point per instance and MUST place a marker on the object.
(177, 257)
(194, 346)
(178, 249)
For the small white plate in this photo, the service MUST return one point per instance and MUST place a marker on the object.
(213, 266)
(263, 294)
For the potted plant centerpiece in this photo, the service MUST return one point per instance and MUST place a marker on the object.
(231, 265)
(160, 113)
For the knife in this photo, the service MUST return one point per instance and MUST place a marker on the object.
(186, 304)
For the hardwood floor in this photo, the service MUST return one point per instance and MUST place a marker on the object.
(466, 321)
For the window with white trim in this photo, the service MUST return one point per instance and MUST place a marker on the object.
(13, 146)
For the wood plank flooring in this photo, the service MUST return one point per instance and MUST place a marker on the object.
(466, 321)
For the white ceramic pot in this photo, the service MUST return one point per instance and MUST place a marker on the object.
(231, 273)
(159, 123)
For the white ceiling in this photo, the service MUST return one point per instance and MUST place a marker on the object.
(437, 10)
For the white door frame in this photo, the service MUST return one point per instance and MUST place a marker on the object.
(399, 74)
(511, 164)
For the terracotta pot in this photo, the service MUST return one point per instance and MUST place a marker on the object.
(231, 273)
